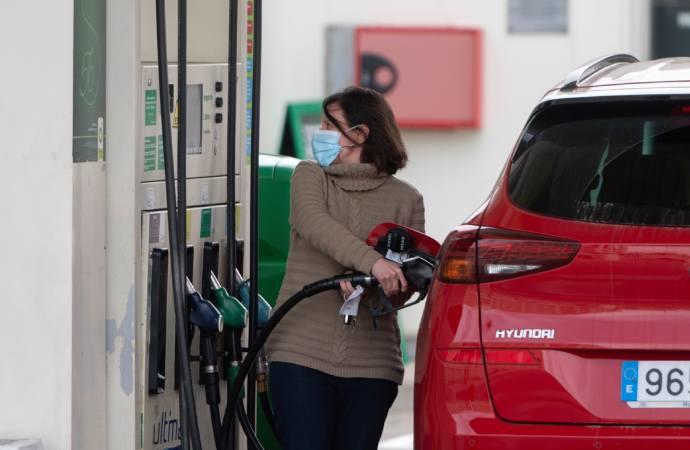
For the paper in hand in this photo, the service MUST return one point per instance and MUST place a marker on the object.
(351, 305)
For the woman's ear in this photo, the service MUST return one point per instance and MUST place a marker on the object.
(362, 133)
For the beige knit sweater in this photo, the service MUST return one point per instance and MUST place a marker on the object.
(333, 209)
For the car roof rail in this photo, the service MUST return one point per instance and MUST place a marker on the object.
(576, 77)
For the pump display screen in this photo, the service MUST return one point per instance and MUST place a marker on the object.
(194, 116)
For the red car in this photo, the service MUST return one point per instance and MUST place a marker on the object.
(559, 315)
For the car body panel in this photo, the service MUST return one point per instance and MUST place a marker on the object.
(627, 290)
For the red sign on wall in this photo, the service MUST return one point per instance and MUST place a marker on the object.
(430, 76)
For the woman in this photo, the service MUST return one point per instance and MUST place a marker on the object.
(332, 383)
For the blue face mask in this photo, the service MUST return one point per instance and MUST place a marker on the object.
(325, 144)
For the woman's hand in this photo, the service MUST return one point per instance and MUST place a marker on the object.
(346, 289)
(389, 276)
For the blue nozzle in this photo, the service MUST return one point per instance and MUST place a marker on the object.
(203, 314)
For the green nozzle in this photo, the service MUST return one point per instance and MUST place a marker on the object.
(233, 311)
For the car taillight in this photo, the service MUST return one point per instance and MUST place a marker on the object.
(460, 356)
(493, 254)
(493, 356)
(512, 357)
(457, 256)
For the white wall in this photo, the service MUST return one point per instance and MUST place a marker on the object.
(518, 69)
(123, 72)
(36, 225)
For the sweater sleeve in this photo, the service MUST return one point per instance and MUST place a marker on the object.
(417, 222)
(311, 220)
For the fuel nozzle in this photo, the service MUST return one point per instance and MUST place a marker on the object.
(203, 314)
(233, 311)
(209, 320)
(243, 291)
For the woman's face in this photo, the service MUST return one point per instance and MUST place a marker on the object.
(350, 142)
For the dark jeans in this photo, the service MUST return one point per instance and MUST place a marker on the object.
(317, 411)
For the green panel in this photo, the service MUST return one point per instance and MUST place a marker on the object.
(301, 119)
(264, 432)
(150, 153)
(275, 173)
(161, 154)
(206, 220)
(88, 89)
(150, 102)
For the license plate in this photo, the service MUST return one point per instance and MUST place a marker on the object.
(656, 384)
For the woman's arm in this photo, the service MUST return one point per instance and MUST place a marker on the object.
(310, 218)
(417, 221)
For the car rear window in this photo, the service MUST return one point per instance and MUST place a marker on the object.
(609, 161)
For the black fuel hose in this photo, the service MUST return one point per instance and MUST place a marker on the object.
(182, 179)
(252, 438)
(306, 292)
(229, 337)
(254, 202)
(187, 404)
(240, 412)
(231, 154)
(211, 381)
(216, 424)
(234, 359)
(181, 116)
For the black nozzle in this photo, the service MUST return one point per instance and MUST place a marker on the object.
(418, 272)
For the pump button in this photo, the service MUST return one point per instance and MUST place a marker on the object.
(219, 118)
(219, 102)
(219, 86)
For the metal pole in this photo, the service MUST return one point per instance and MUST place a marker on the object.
(254, 205)
(231, 225)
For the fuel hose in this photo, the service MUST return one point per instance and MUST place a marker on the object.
(187, 404)
(306, 292)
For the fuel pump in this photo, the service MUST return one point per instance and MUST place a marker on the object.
(241, 303)
(167, 205)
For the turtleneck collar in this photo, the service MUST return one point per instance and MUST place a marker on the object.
(356, 177)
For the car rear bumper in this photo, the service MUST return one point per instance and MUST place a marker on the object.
(453, 411)
(558, 438)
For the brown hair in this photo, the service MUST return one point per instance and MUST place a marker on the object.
(383, 146)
